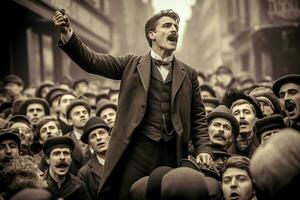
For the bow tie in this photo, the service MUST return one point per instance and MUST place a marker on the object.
(160, 62)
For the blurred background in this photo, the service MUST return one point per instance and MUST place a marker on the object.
(257, 37)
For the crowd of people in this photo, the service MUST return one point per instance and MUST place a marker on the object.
(167, 132)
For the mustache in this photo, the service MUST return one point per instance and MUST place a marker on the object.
(221, 135)
(244, 122)
(62, 164)
(289, 105)
(173, 37)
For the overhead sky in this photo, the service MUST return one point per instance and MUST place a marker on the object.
(182, 7)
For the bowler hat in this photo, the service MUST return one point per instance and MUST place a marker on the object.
(10, 134)
(223, 112)
(58, 142)
(77, 102)
(184, 183)
(29, 101)
(20, 118)
(104, 103)
(268, 123)
(290, 78)
(209, 89)
(12, 78)
(90, 125)
(211, 101)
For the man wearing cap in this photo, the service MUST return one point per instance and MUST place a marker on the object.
(14, 84)
(52, 98)
(287, 89)
(237, 181)
(268, 126)
(35, 109)
(9, 146)
(78, 113)
(96, 135)
(246, 110)
(210, 104)
(62, 184)
(43, 89)
(107, 110)
(64, 100)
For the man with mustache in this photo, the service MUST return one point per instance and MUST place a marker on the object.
(61, 183)
(9, 146)
(287, 89)
(159, 106)
(78, 113)
(246, 110)
(96, 135)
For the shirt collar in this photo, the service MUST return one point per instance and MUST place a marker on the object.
(157, 57)
(101, 160)
(77, 135)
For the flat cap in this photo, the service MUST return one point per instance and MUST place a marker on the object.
(58, 142)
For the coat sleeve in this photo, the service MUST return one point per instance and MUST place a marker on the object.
(92, 62)
(199, 132)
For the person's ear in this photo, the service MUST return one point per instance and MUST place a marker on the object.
(151, 35)
(48, 160)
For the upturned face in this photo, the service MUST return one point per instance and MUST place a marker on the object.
(59, 161)
(98, 140)
(245, 115)
(79, 116)
(220, 132)
(109, 116)
(64, 101)
(237, 185)
(49, 130)
(165, 36)
(35, 111)
(289, 98)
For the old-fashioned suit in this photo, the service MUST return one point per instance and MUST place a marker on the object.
(187, 111)
(90, 174)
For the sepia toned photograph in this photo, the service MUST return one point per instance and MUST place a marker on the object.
(150, 100)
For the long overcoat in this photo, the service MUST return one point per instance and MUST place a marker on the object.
(187, 110)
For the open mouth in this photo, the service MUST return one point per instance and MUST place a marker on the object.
(219, 137)
(289, 106)
(62, 165)
(234, 196)
(243, 123)
(173, 37)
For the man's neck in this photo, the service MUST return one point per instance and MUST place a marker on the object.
(162, 52)
(78, 130)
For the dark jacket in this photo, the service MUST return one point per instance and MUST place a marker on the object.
(90, 174)
(71, 188)
(187, 110)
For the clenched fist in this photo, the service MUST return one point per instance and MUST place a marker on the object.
(61, 21)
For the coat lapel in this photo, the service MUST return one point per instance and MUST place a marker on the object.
(144, 70)
(95, 166)
(178, 77)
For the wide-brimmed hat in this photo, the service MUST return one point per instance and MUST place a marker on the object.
(290, 78)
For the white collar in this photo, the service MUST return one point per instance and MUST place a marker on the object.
(101, 160)
(157, 57)
(77, 135)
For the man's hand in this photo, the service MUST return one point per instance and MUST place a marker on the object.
(61, 21)
(204, 159)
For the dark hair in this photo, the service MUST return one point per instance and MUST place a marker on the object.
(236, 161)
(152, 22)
(44, 121)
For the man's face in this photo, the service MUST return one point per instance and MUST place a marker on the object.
(237, 185)
(98, 140)
(49, 130)
(65, 100)
(79, 116)
(165, 35)
(59, 161)
(245, 115)
(81, 88)
(220, 132)
(109, 116)
(289, 98)
(35, 111)
(8, 151)
(114, 98)
(14, 88)
(205, 94)
(224, 78)
(266, 108)
(26, 134)
(45, 91)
